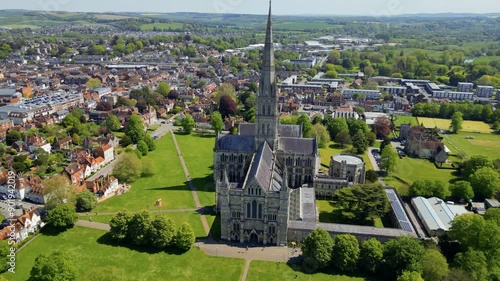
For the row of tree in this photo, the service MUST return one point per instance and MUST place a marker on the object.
(141, 229)
(469, 110)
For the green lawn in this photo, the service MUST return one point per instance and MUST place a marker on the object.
(482, 144)
(411, 169)
(444, 124)
(198, 152)
(402, 188)
(192, 218)
(334, 149)
(400, 120)
(92, 250)
(162, 26)
(486, 59)
(326, 215)
(168, 184)
(265, 270)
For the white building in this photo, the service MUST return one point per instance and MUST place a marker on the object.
(436, 215)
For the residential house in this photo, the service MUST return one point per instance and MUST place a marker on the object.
(422, 144)
(65, 143)
(106, 152)
(35, 142)
(76, 172)
(103, 187)
(24, 225)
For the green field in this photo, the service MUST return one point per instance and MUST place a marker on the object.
(270, 271)
(400, 120)
(444, 124)
(486, 59)
(326, 214)
(93, 251)
(411, 169)
(334, 149)
(168, 184)
(150, 26)
(482, 144)
(303, 26)
(198, 152)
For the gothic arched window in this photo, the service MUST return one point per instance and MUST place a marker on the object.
(248, 210)
(254, 209)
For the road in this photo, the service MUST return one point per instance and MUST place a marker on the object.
(372, 159)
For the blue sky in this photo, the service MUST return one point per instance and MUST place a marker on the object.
(330, 7)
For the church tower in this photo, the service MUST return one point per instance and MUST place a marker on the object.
(267, 113)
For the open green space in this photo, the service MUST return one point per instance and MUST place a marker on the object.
(334, 149)
(400, 120)
(192, 218)
(306, 25)
(411, 169)
(402, 188)
(150, 26)
(444, 124)
(486, 59)
(198, 153)
(93, 251)
(265, 270)
(168, 184)
(481, 144)
(326, 213)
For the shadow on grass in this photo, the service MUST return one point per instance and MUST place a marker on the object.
(296, 265)
(53, 231)
(108, 241)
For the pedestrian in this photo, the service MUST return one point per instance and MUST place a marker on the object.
(247, 248)
(90, 219)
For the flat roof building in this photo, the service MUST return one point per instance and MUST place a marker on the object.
(436, 215)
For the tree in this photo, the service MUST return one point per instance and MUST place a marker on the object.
(185, 237)
(150, 142)
(119, 225)
(496, 126)
(306, 124)
(474, 263)
(52, 267)
(429, 188)
(93, 83)
(12, 137)
(139, 228)
(188, 124)
(125, 141)
(228, 106)
(369, 71)
(142, 147)
(250, 102)
(383, 126)
(493, 214)
(343, 138)
(456, 122)
(163, 89)
(389, 159)
(462, 190)
(62, 217)
(85, 201)
(434, 265)
(225, 89)
(336, 126)
(371, 137)
(410, 276)
(356, 125)
(370, 255)
(485, 182)
(345, 252)
(331, 74)
(403, 254)
(475, 163)
(135, 128)
(319, 131)
(103, 106)
(60, 191)
(112, 123)
(359, 142)
(317, 249)
(163, 232)
(4, 256)
(217, 123)
(360, 204)
(127, 168)
(371, 176)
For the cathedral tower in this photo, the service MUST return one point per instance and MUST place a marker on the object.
(267, 113)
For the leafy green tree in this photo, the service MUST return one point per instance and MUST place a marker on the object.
(188, 124)
(142, 147)
(371, 176)
(474, 263)
(150, 142)
(356, 125)
(410, 276)
(370, 255)
(331, 74)
(434, 265)
(343, 138)
(13, 136)
(359, 142)
(85, 201)
(163, 88)
(306, 124)
(93, 83)
(403, 254)
(139, 228)
(360, 204)
(389, 159)
(225, 89)
(60, 192)
(345, 252)
(217, 123)
(163, 232)
(456, 122)
(112, 123)
(185, 237)
(475, 163)
(493, 214)
(319, 131)
(125, 141)
(135, 128)
(485, 182)
(337, 125)
(462, 190)
(62, 216)
(119, 225)
(127, 168)
(56, 266)
(429, 188)
(317, 249)
(4, 255)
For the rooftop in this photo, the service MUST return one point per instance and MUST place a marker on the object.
(350, 159)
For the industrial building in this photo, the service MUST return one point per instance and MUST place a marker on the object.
(436, 215)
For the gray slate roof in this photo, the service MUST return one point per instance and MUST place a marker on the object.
(285, 131)
(297, 145)
(235, 143)
(261, 167)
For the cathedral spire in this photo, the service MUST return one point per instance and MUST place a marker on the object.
(269, 46)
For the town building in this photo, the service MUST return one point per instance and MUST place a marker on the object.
(419, 143)
(465, 87)
(436, 215)
(485, 91)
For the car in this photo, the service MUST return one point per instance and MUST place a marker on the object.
(155, 137)
(163, 122)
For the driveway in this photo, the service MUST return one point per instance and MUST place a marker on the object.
(372, 159)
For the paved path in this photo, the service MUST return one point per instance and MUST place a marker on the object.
(151, 211)
(206, 227)
(93, 225)
(245, 271)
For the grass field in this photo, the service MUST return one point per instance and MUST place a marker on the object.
(269, 271)
(486, 59)
(411, 169)
(482, 144)
(198, 152)
(191, 218)
(334, 149)
(168, 183)
(150, 26)
(444, 124)
(325, 209)
(92, 251)
(400, 120)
